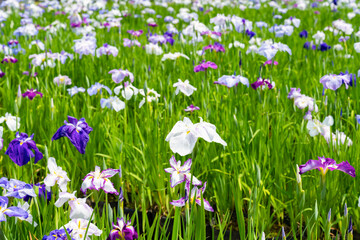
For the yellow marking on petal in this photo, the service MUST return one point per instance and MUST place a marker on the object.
(187, 132)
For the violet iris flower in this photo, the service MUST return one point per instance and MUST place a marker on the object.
(217, 47)
(58, 235)
(195, 195)
(251, 34)
(41, 193)
(17, 189)
(29, 74)
(77, 131)
(152, 24)
(203, 66)
(269, 62)
(2, 74)
(130, 43)
(20, 149)
(10, 211)
(325, 164)
(107, 50)
(118, 75)
(9, 59)
(352, 77)
(192, 108)
(97, 88)
(303, 34)
(180, 173)
(324, 47)
(100, 180)
(122, 230)
(135, 33)
(333, 81)
(31, 94)
(262, 82)
(231, 81)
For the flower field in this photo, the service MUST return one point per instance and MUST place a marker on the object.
(179, 119)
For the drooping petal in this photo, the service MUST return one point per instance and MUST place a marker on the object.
(310, 165)
(178, 203)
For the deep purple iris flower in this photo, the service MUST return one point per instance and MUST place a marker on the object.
(16, 188)
(9, 59)
(324, 47)
(42, 193)
(217, 47)
(325, 164)
(251, 34)
(261, 82)
(20, 149)
(77, 131)
(13, 42)
(191, 108)
(169, 38)
(352, 78)
(58, 234)
(10, 211)
(152, 24)
(303, 34)
(31, 94)
(204, 66)
(122, 230)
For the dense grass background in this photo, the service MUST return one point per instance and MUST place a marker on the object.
(251, 182)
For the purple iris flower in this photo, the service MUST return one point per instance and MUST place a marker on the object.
(58, 235)
(20, 149)
(217, 47)
(130, 43)
(307, 45)
(29, 74)
(314, 5)
(269, 62)
(251, 34)
(261, 82)
(168, 19)
(195, 195)
(162, 39)
(13, 42)
(192, 108)
(325, 164)
(333, 81)
(303, 34)
(10, 211)
(2, 74)
(9, 59)
(209, 33)
(97, 88)
(358, 119)
(122, 230)
(344, 39)
(135, 33)
(31, 94)
(324, 47)
(17, 189)
(77, 131)
(204, 66)
(180, 173)
(152, 24)
(169, 38)
(42, 193)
